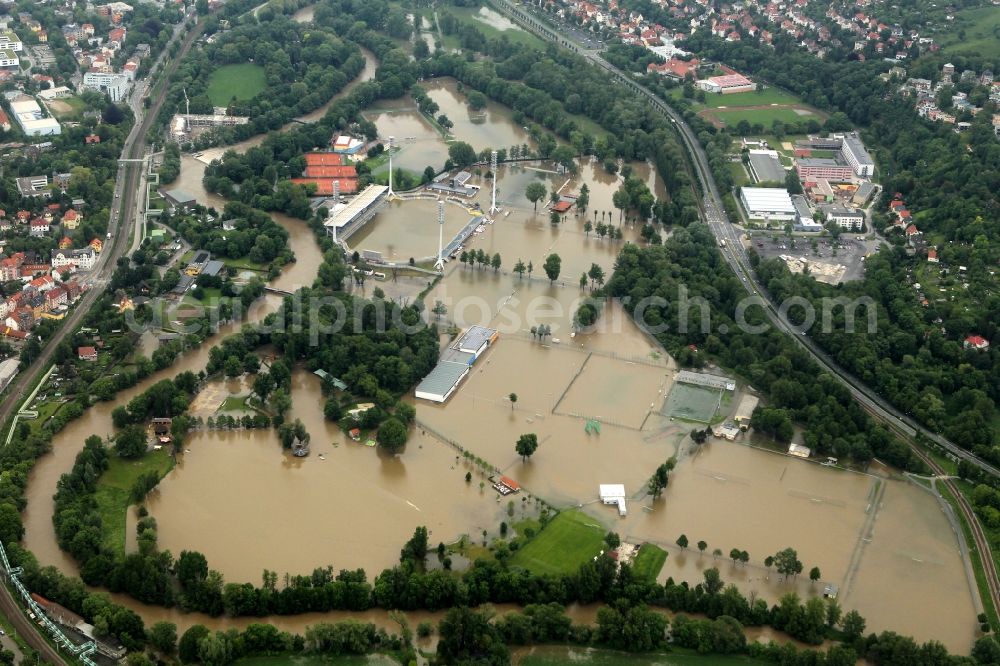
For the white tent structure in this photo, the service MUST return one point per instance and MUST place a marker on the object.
(614, 493)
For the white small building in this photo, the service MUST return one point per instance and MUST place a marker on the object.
(114, 86)
(8, 370)
(614, 493)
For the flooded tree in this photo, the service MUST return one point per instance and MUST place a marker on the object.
(513, 400)
(552, 266)
(702, 546)
(814, 574)
(787, 562)
(682, 541)
(535, 192)
(391, 434)
(526, 445)
(519, 268)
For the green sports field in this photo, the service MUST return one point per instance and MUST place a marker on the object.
(243, 82)
(763, 116)
(648, 561)
(755, 98)
(113, 490)
(569, 540)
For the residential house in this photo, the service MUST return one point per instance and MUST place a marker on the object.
(87, 353)
(977, 343)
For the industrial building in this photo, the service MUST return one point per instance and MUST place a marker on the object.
(456, 363)
(705, 380)
(813, 168)
(8, 370)
(727, 84)
(744, 411)
(115, 86)
(853, 151)
(33, 186)
(848, 219)
(178, 198)
(29, 116)
(804, 214)
(765, 166)
(863, 194)
(768, 203)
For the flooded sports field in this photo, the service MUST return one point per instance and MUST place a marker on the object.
(594, 398)
(248, 505)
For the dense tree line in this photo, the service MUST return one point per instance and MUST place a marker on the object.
(688, 266)
(254, 235)
(304, 67)
(952, 183)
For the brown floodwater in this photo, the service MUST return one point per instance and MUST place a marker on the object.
(409, 228)
(490, 127)
(355, 506)
(248, 505)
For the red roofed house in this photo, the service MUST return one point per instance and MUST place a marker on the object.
(97, 244)
(912, 230)
(932, 256)
(4, 121)
(65, 243)
(71, 219)
(977, 342)
(55, 297)
(561, 206)
(91, 138)
(87, 354)
(674, 68)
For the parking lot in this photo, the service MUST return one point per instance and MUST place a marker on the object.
(829, 260)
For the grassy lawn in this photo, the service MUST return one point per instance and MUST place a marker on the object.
(240, 81)
(487, 26)
(113, 492)
(569, 540)
(244, 265)
(739, 173)
(981, 28)
(763, 116)
(755, 98)
(649, 561)
(553, 655)
(318, 660)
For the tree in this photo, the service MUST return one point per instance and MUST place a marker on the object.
(552, 266)
(519, 268)
(596, 275)
(131, 442)
(659, 480)
(713, 581)
(787, 562)
(439, 309)
(716, 553)
(583, 199)
(187, 649)
(814, 574)
(391, 434)
(583, 280)
(554, 218)
(769, 562)
(163, 636)
(513, 400)
(702, 546)
(682, 541)
(588, 227)
(526, 445)
(612, 540)
(461, 153)
(495, 262)
(734, 555)
(535, 192)
(853, 625)
(468, 637)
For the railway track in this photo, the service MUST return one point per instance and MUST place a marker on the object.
(980, 541)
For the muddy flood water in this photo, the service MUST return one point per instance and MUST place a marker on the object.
(238, 498)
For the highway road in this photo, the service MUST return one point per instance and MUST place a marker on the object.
(735, 254)
(121, 225)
